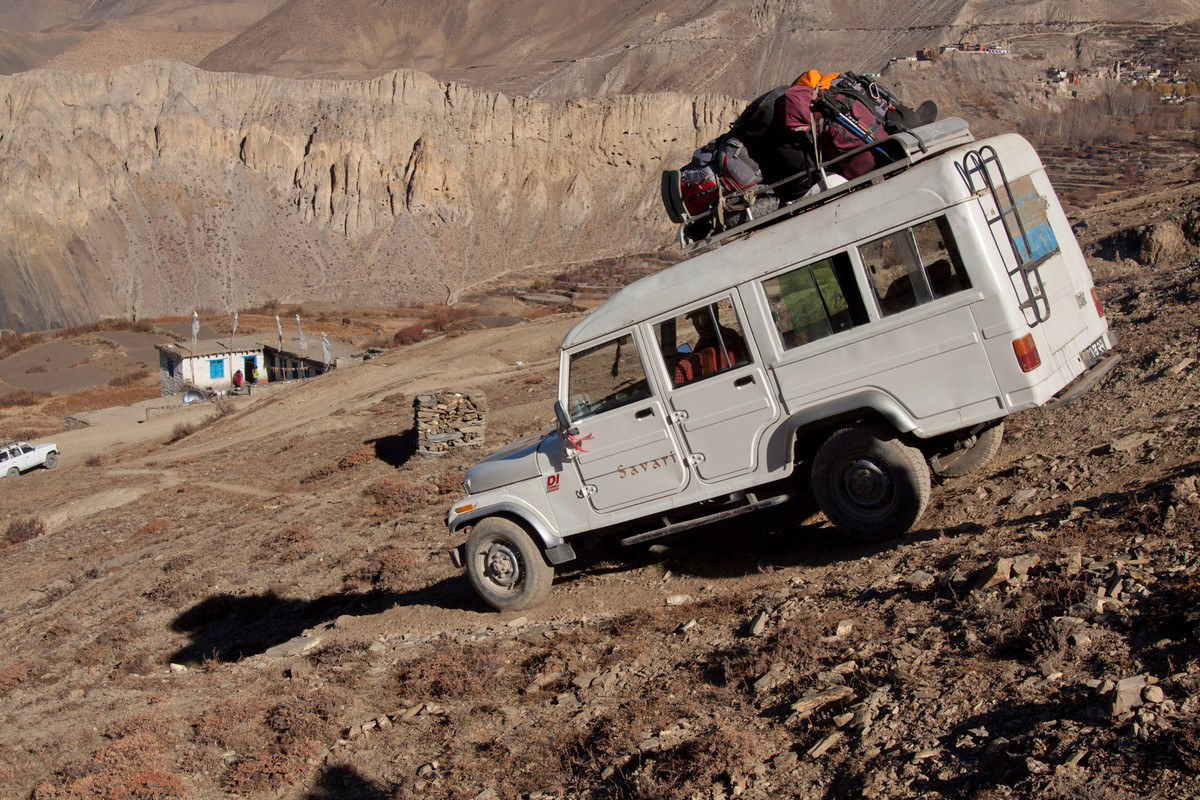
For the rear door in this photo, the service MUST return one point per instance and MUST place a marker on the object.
(718, 392)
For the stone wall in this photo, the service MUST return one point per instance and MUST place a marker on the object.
(448, 421)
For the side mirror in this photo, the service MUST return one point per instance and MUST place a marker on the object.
(560, 414)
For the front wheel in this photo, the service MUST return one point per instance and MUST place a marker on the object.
(13, 471)
(870, 484)
(51, 460)
(505, 566)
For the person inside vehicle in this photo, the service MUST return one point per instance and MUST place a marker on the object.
(717, 347)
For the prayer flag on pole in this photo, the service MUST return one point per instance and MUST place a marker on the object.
(195, 326)
(325, 347)
(299, 330)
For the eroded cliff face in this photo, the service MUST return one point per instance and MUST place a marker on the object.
(160, 188)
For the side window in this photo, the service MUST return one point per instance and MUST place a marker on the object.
(815, 301)
(3, 455)
(702, 342)
(26, 448)
(605, 377)
(914, 266)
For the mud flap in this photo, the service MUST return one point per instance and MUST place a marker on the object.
(458, 556)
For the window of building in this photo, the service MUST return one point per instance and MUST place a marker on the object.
(815, 301)
(216, 368)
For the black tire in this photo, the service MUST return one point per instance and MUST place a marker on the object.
(975, 456)
(505, 566)
(13, 471)
(871, 485)
(51, 460)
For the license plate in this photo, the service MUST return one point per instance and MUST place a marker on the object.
(1093, 352)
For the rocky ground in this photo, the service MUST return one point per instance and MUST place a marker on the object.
(263, 606)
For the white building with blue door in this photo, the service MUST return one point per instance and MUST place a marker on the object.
(209, 364)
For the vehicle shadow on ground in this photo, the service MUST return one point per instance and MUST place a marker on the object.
(227, 627)
(344, 783)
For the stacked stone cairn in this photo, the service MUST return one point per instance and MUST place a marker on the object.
(448, 421)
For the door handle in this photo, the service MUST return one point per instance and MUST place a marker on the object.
(743, 381)
(645, 412)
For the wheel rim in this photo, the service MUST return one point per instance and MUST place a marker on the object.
(502, 565)
(867, 484)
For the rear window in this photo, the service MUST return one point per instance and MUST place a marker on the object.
(815, 301)
(914, 266)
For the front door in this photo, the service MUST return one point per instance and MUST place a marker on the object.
(625, 448)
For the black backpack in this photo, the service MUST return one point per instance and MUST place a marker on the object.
(892, 114)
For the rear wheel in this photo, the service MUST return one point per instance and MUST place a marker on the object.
(974, 456)
(505, 566)
(871, 485)
(51, 460)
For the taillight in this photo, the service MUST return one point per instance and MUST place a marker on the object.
(1096, 300)
(1027, 353)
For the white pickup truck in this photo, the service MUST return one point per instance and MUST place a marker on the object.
(842, 348)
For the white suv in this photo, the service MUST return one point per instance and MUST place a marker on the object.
(18, 457)
(842, 349)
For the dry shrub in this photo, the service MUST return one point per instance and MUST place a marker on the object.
(359, 455)
(23, 529)
(320, 473)
(92, 654)
(182, 430)
(154, 527)
(271, 770)
(94, 461)
(35, 368)
(411, 335)
(131, 767)
(392, 496)
(459, 672)
(95, 397)
(292, 543)
(274, 737)
(175, 591)
(15, 343)
(178, 563)
(14, 675)
(693, 766)
(449, 483)
(295, 533)
(22, 397)
(390, 568)
(129, 378)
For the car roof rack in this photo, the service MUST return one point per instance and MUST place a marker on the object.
(904, 149)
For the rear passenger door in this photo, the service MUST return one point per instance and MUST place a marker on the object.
(717, 388)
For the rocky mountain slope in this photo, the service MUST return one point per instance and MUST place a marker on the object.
(158, 188)
(180, 188)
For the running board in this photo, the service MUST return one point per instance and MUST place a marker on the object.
(711, 518)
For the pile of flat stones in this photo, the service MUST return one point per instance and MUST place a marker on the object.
(447, 421)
